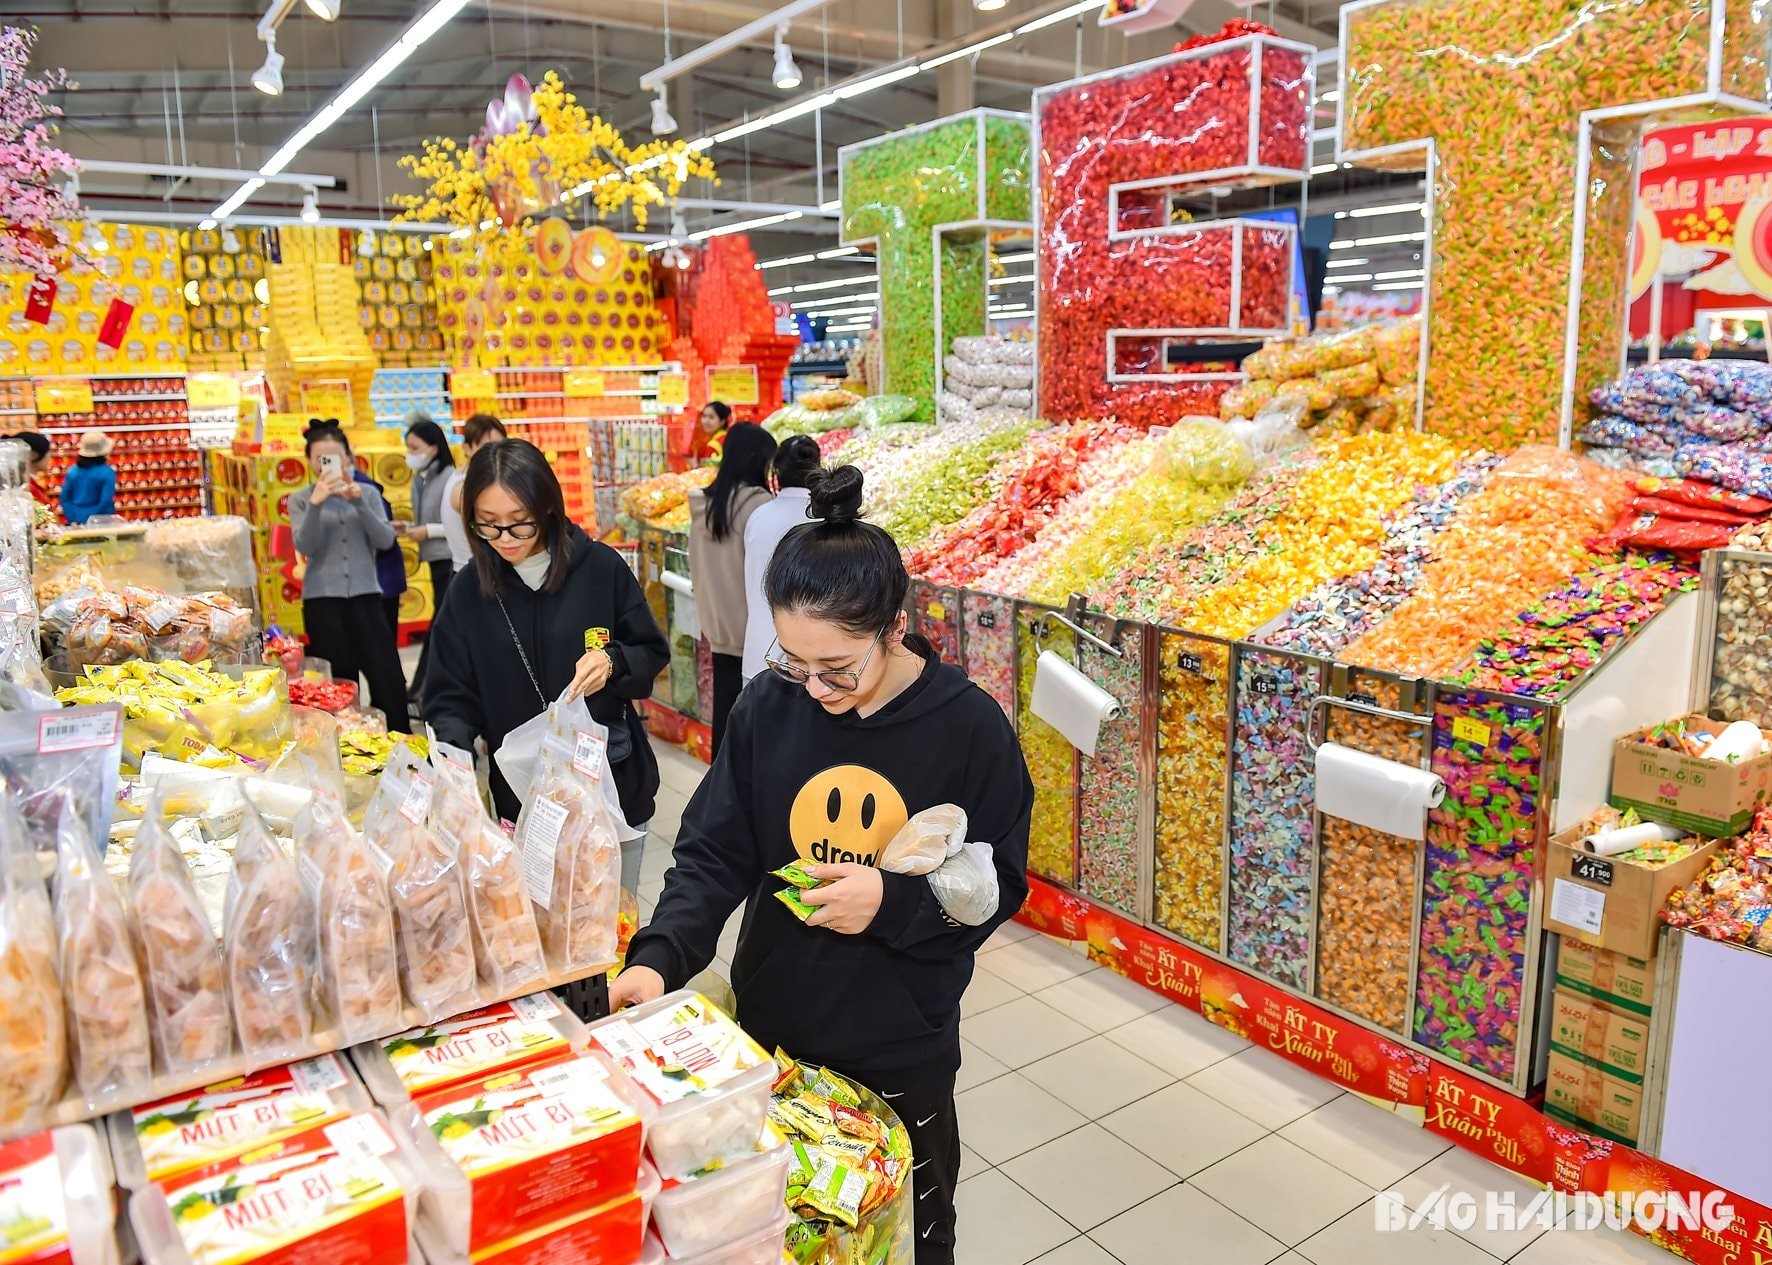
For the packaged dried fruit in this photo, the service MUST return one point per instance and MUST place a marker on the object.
(180, 960)
(33, 1049)
(507, 943)
(161, 1141)
(356, 963)
(509, 1034)
(571, 851)
(108, 1045)
(424, 882)
(267, 948)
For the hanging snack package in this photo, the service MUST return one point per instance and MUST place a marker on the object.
(356, 963)
(165, 1140)
(107, 1011)
(571, 849)
(33, 1050)
(507, 944)
(424, 883)
(177, 952)
(267, 948)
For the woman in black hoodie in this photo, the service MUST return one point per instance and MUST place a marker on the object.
(857, 726)
(547, 608)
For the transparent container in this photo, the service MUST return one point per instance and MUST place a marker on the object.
(431, 1059)
(695, 1215)
(73, 1160)
(690, 1130)
(761, 1247)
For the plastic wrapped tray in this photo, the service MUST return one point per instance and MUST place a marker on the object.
(429, 1060)
(762, 1247)
(610, 1232)
(70, 1161)
(695, 1215)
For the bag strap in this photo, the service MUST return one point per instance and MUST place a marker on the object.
(521, 653)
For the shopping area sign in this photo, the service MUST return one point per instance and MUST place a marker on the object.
(735, 384)
(1704, 208)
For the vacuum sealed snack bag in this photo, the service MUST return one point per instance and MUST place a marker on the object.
(107, 1010)
(424, 879)
(571, 849)
(356, 963)
(179, 958)
(33, 1047)
(267, 948)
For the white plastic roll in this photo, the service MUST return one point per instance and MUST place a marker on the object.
(1740, 741)
(679, 584)
(1371, 791)
(1609, 843)
(1070, 702)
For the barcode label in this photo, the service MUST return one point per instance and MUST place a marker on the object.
(318, 1076)
(537, 1007)
(417, 804)
(58, 732)
(565, 1076)
(587, 755)
(360, 1138)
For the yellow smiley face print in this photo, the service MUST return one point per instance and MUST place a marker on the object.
(845, 813)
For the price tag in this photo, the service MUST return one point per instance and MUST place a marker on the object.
(1591, 869)
(735, 384)
(1364, 699)
(1467, 730)
(212, 391)
(1580, 907)
(673, 390)
(536, 1008)
(328, 399)
(1265, 685)
(582, 384)
(360, 1138)
(59, 732)
(417, 804)
(563, 1077)
(987, 619)
(64, 397)
(587, 755)
(318, 1076)
(543, 821)
(1188, 661)
(937, 611)
(473, 384)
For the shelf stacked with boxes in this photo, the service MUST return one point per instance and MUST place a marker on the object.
(314, 331)
(393, 393)
(395, 301)
(159, 470)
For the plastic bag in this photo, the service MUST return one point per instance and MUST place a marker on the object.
(356, 964)
(519, 755)
(966, 884)
(1203, 450)
(881, 410)
(33, 1035)
(177, 952)
(62, 762)
(21, 648)
(436, 950)
(267, 948)
(1273, 432)
(924, 842)
(571, 848)
(507, 943)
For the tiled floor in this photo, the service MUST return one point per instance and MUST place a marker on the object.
(1104, 1125)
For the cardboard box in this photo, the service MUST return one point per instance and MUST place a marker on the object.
(1625, 984)
(1594, 1033)
(1609, 902)
(1579, 1094)
(1706, 797)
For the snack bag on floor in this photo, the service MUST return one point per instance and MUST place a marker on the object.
(424, 880)
(176, 949)
(356, 964)
(107, 1011)
(507, 945)
(572, 852)
(267, 948)
(33, 1049)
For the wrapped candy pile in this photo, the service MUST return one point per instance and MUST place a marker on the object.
(922, 487)
(189, 711)
(1363, 379)
(135, 622)
(987, 376)
(663, 500)
(1702, 419)
(820, 411)
(1732, 900)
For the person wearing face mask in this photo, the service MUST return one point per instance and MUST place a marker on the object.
(856, 726)
(546, 608)
(431, 462)
(339, 525)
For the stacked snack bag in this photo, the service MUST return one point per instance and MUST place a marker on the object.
(1363, 379)
(987, 376)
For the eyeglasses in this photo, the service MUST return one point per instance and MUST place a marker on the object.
(843, 680)
(516, 531)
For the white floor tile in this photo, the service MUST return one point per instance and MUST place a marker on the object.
(1037, 962)
(1182, 1226)
(970, 1163)
(1096, 1077)
(1356, 1240)
(1287, 1192)
(1592, 1247)
(1010, 1116)
(1182, 1129)
(1088, 1176)
(1265, 1087)
(1001, 1224)
(1462, 1172)
(1081, 1250)
(1022, 1031)
(650, 890)
(1009, 933)
(987, 990)
(1101, 1000)
(1378, 1147)
(1177, 1040)
(976, 1067)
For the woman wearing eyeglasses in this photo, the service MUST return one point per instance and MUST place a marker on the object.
(546, 608)
(856, 726)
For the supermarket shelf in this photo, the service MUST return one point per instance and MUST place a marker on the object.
(105, 377)
(18, 412)
(819, 366)
(1640, 355)
(113, 430)
(136, 399)
(73, 1109)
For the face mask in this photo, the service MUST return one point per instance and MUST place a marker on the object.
(417, 460)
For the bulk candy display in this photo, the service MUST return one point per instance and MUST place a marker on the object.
(1740, 686)
(1112, 787)
(1051, 760)
(1193, 727)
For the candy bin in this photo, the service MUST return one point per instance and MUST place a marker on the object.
(1051, 760)
(988, 642)
(937, 615)
(1113, 786)
(1273, 802)
(1367, 880)
(1472, 987)
(1193, 737)
(1738, 647)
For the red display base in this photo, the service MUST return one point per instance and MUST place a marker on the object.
(416, 630)
(1504, 1130)
(678, 730)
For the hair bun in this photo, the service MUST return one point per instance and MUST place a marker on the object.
(836, 495)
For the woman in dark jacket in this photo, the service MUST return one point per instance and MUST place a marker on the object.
(546, 608)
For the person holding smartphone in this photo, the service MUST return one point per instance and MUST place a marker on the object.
(339, 530)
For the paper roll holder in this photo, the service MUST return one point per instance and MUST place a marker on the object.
(1071, 617)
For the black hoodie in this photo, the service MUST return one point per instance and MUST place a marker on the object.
(476, 685)
(793, 782)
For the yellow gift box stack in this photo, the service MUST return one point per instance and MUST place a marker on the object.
(139, 265)
(226, 292)
(314, 332)
(396, 303)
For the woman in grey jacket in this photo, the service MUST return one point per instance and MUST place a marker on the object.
(339, 530)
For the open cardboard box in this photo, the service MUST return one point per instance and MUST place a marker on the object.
(1609, 902)
(1705, 797)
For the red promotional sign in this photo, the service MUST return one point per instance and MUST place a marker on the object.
(117, 318)
(1703, 194)
(40, 300)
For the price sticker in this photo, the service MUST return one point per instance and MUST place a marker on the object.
(673, 390)
(735, 384)
(59, 732)
(417, 804)
(1188, 661)
(582, 384)
(1265, 685)
(64, 397)
(360, 1138)
(587, 755)
(473, 384)
(937, 611)
(1467, 730)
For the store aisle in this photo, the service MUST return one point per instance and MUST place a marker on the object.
(1106, 1126)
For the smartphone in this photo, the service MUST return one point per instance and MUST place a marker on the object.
(332, 466)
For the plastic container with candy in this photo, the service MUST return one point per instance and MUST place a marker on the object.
(422, 1062)
(55, 1197)
(707, 1079)
(697, 1214)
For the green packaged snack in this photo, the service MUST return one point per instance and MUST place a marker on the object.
(806, 1237)
(795, 874)
(837, 1192)
(827, 1084)
(790, 897)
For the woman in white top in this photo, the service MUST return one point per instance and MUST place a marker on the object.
(795, 462)
(478, 431)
